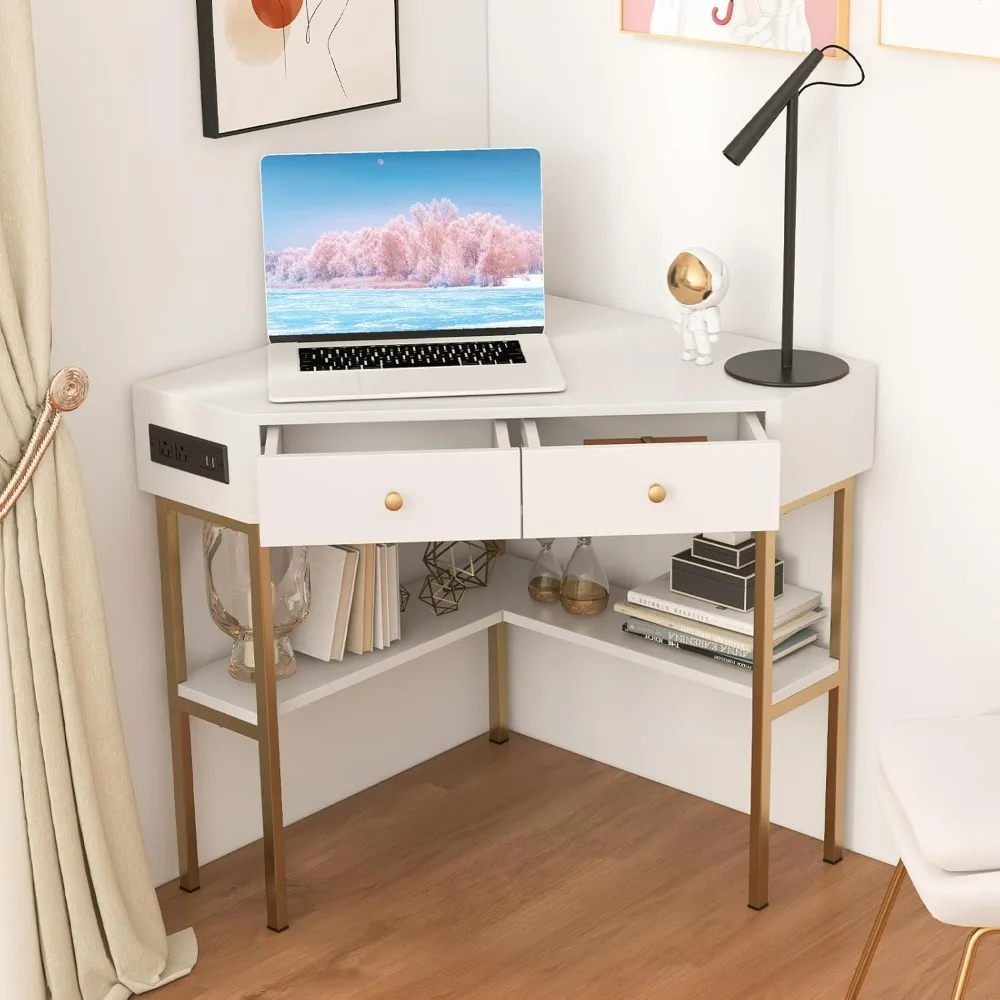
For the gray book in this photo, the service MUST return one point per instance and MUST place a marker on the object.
(645, 630)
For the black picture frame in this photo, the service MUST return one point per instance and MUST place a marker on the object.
(209, 86)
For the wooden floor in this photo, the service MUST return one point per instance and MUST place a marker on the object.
(524, 871)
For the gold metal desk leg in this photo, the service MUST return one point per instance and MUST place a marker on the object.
(968, 957)
(180, 722)
(840, 649)
(267, 730)
(760, 755)
(875, 934)
(499, 732)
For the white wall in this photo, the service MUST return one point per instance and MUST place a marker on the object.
(916, 208)
(897, 259)
(156, 265)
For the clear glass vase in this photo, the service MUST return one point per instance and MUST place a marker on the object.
(545, 580)
(584, 589)
(227, 580)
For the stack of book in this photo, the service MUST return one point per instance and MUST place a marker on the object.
(355, 601)
(655, 611)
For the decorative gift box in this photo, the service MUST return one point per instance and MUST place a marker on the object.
(722, 586)
(723, 554)
(728, 537)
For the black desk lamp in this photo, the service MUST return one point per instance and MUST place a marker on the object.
(787, 367)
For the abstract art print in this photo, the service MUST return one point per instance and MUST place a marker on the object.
(370, 243)
(958, 27)
(785, 25)
(271, 62)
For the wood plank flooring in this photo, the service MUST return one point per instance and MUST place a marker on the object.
(527, 872)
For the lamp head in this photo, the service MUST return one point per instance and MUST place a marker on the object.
(739, 149)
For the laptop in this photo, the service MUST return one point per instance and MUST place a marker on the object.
(401, 274)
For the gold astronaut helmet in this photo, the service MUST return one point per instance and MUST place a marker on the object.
(698, 278)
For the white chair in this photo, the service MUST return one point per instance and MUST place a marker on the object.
(940, 790)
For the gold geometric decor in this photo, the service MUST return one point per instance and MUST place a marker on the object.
(453, 567)
(442, 592)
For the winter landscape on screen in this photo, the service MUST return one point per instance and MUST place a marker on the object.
(393, 242)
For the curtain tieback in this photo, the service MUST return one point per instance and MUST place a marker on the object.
(67, 390)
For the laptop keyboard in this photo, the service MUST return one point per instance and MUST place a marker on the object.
(451, 354)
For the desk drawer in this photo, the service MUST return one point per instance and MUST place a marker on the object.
(614, 489)
(344, 498)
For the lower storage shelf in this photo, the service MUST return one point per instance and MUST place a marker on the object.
(505, 599)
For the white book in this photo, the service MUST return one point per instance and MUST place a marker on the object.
(332, 573)
(380, 571)
(394, 613)
(344, 608)
(384, 596)
(712, 633)
(359, 627)
(657, 594)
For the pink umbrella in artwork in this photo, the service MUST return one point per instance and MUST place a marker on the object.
(727, 17)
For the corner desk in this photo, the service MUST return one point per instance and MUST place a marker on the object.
(510, 467)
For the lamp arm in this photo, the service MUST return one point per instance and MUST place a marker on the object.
(751, 133)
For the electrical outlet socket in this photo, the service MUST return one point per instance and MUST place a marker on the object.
(187, 453)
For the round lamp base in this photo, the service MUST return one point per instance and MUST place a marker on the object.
(808, 368)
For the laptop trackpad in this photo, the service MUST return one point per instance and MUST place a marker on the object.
(342, 383)
(430, 381)
(285, 386)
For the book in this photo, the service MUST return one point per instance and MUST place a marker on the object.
(381, 598)
(799, 640)
(686, 439)
(370, 556)
(713, 633)
(656, 594)
(360, 626)
(383, 584)
(395, 623)
(339, 644)
(324, 632)
(386, 599)
(677, 637)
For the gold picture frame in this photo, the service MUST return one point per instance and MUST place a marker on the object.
(883, 44)
(632, 14)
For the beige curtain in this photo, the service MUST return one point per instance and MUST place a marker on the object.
(79, 919)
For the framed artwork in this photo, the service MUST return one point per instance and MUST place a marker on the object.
(959, 27)
(272, 62)
(785, 25)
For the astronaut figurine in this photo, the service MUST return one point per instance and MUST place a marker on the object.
(698, 280)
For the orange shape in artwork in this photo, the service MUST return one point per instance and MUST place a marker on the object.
(276, 13)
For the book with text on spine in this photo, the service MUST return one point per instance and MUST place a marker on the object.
(713, 633)
(801, 639)
(656, 594)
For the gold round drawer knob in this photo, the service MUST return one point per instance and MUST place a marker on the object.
(657, 493)
(393, 501)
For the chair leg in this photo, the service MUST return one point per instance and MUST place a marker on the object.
(875, 934)
(968, 957)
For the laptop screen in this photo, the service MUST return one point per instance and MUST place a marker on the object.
(407, 243)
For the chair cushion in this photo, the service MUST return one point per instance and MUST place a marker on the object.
(945, 777)
(966, 899)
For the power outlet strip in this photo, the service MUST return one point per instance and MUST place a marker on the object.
(186, 453)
